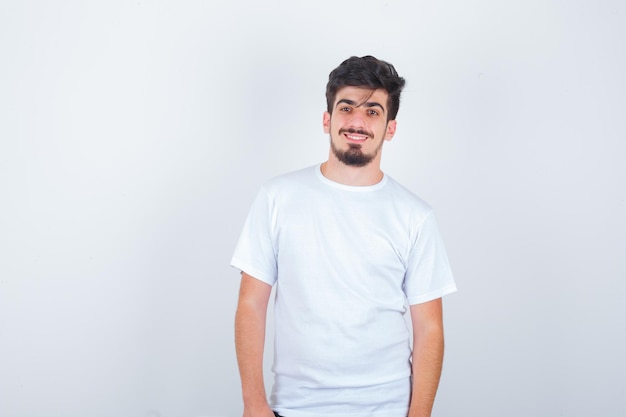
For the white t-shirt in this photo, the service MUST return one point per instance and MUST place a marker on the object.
(345, 261)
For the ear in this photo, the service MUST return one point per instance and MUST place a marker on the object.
(326, 122)
(391, 129)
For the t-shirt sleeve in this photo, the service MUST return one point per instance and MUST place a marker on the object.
(428, 275)
(255, 252)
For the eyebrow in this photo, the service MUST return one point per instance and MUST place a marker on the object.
(366, 104)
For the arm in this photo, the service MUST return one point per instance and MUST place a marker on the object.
(427, 357)
(249, 342)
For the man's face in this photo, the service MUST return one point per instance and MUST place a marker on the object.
(358, 125)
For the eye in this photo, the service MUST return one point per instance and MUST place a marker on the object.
(344, 109)
(372, 112)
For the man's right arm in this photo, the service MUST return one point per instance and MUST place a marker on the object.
(249, 343)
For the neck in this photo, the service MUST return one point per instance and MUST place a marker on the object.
(337, 171)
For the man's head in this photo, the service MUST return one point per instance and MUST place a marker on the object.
(363, 97)
(369, 73)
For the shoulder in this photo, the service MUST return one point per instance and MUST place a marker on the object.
(291, 181)
(407, 199)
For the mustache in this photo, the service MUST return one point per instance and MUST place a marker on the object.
(357, 131)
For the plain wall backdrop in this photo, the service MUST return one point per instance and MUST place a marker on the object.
(135, 134)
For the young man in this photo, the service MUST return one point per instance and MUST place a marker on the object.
(348, 249)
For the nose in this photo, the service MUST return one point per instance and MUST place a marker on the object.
(358, 118)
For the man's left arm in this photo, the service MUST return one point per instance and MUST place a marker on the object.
(427, 357)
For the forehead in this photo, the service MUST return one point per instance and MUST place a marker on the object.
(361, 95)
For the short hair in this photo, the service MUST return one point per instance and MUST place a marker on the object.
(366, 72)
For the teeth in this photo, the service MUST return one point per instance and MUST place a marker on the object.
(356, 137)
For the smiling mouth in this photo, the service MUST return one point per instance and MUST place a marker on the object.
(355, 135)
(356, 138)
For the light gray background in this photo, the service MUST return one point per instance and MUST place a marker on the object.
(135, 134)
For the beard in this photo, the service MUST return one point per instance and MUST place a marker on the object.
(354, 156)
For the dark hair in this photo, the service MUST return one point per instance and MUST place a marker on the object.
(366, 72)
